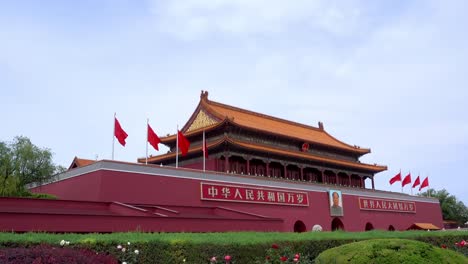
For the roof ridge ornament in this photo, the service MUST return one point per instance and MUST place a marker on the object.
(204, 95)
(320, 124)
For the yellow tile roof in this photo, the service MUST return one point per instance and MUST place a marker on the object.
(265, 123)
(425, 226)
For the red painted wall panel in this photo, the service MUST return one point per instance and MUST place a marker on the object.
(84, 187)
(149, 189)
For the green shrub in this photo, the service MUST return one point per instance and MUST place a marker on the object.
(199, 248)
(42, 196)
(389, 251)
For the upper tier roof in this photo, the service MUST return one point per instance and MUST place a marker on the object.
(77, 162)
(214, 113)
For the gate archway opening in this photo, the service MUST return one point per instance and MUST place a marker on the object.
(337, 224)
(369, 227)
(299, 227)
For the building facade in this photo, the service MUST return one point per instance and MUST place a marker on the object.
(261, 174)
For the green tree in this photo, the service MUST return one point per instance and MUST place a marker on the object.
(452, 208)
(22, 163)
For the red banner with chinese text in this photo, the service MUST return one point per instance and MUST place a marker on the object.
(387, 205)
(243, 194)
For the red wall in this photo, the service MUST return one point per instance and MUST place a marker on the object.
(149, 189)
(84, 187)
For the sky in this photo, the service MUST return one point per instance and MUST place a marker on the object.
(387, 75)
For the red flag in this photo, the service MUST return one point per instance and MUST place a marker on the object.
(406, 180)
(183, 144)
(119, 133)
(153, 139)
(416, 182)
(395, 178)
(424, 184)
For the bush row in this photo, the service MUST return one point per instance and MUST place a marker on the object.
(185, 251)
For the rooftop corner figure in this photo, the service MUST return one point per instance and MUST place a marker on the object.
(336, 203)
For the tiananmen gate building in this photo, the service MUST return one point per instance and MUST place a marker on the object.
(262, 174)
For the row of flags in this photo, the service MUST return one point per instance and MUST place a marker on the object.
(407, 180)
(152, 138)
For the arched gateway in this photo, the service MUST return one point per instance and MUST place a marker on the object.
(337, 224)
(299, 226)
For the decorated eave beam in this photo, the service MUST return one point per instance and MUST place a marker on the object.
(251, 146)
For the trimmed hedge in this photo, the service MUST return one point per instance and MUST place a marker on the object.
(390, 251)
(199, 248)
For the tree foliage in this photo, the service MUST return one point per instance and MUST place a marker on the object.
(452, 208)
(22, 163)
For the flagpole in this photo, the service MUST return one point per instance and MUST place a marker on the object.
(113, 137)
(177, 148)
(401, 182)
(428, 189)
(204, 150)
(147, 124)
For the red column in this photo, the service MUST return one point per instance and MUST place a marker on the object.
(349, 182)
(267, 173)
(226, 162)
(285, 171)
(322, 176)
(373, 186)
(248, 166)
(302, 173)
(336, 178)
(362, 182)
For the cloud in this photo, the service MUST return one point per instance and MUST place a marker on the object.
(197, 18)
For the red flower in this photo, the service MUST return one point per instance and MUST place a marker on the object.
(297, 256)
(227, 258)
(283, 258)
(295, 259)
(443, 246)
(462, 243)
(456, 244)
(267, 258)
(275, 246)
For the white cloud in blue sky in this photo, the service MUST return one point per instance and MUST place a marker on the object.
(389, 75)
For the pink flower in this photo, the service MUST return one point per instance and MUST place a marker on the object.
(213, 259)
(462, 243)
(275, 246)
(295, 259)
(456, 244)
(227, 258)
(297, 256)
(283, 258)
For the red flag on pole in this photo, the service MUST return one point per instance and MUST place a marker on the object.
(416, 182)
(153, 139)
(406, 180)
(119, 133)
(395, 178)
(183, 142)
(424, 184)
